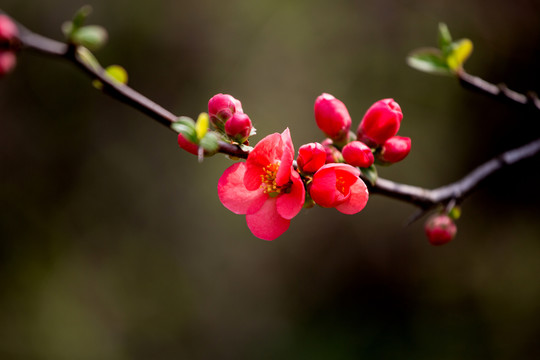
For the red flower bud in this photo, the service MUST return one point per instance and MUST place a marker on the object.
(8, 29)
(238, 127)
(395, 149)
(332, 117)
(333, 155)
(222, 107)
(187, 145)
(380, 122)
(311, 157)
(356, 153)
(440, 229)
(7, 62)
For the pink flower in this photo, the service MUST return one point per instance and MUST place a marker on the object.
(332, 117)
(238, 127)
(311, 157)
(338, 185)
(394, 149)
(265, 188)
(356, 153)
(222, 107)
(381, 122)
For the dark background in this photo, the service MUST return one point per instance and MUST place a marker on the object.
(113, 242)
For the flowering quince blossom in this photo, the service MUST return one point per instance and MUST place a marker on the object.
(266, 188)
(338, 185)
(381, 121)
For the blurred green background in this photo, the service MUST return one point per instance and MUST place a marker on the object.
(113, 242)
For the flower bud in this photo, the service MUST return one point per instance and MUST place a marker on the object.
(8, 29)
(394, 149)
(380, 122)
(188, 145)
(332, 117)
(333, 155)
(440, 229)
(356, 153)
(7, 61)
(238, 127)
(222, 107)
(311, 157)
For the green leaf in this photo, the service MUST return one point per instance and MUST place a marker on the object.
(210, 142)
(370, 174)
(92, 37)
(116, 73)
(186, 126)
(81, 15)
(88, 58)
(445, 39)
(429, 60)
(455, 213)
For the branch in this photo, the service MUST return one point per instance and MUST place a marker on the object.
(499, 91)
(423, 198)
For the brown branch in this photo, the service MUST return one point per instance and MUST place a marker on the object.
(500, 91)
(425, 199)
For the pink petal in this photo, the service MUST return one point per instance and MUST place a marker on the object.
(357, 201)
(289, 205)
(284, 173)
(266, 152)
(267, 224)
(323, 189)
(234, 195)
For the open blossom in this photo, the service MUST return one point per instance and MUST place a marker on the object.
(265, 188)
(338, 185)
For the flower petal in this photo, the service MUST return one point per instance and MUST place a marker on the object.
(289, 205)
(234, 195)
(267, 224)
(266, 152)
(357, 201)
(284, 173)
(323, 187)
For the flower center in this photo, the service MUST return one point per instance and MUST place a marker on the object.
(268, 179)
(341, 185)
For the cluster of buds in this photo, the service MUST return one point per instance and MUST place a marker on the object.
(375, 139)
(227, 116)
(8, 40)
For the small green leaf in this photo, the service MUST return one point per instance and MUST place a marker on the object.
(93, 36)
(461, 50)
(81, 15)
(370, 174)
(210, 142)
(445, 39)
(186, 126)
(455, 213)
(88, 58)
(429, 60)
(202, 124)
